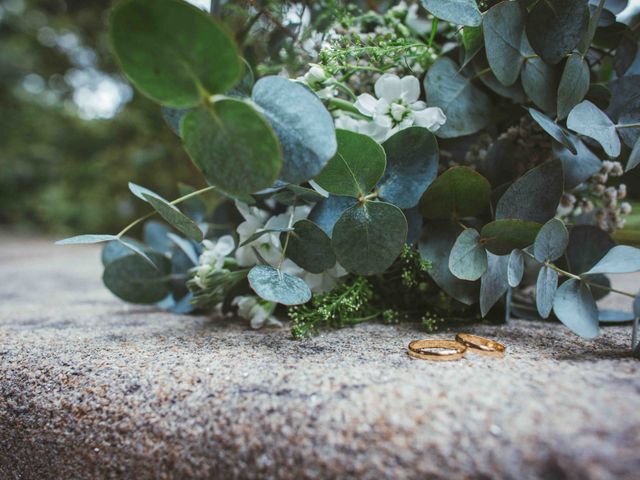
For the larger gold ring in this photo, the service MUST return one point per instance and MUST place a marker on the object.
(436, 350)
(480, 344)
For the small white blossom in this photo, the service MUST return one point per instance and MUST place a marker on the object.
(213, 257)
(258, 312)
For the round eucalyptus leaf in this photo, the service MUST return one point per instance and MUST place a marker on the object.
(303, 125)
(503, 25)
(515, 270)
(539, 79)
(514, 92)
(574, 84)
(435, 246)
(625, 94)
(473, 42)
(493, 284)
(155, 234)
(554, 27)
(553, 129)
(629, 125)
(468, 258)
(369, 236)
(356, 167)
(551, 241)
(412, 164)
(546, 287)
(534, 197)
(615, 316)
(86, 239)
(459, 192)
(620, 259)
(135, 280)
(173, 117)
(414, 224)
(459, 12)
(468, 109)
(116, 249)
(502, 236)
(175, 217)
(276, 286)
(233, 146)
(309, 247)
(577, 167)
(587, 245)
(587, 119)
(326, 213)
(173, 52)
(634, 157)
(575, 307)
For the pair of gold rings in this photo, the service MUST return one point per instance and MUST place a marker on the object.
(448, 350)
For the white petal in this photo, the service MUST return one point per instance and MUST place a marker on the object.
(388, 87)
(225, 245)
(432, 118)
(410, 88)
(366, 104)
(419, 105)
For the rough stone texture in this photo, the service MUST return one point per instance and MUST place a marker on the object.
(93, 388)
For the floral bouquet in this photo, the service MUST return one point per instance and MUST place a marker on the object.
(437, 161)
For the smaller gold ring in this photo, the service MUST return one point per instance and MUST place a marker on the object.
(436, 350)
(480, 344)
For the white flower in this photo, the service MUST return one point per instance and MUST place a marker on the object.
(258, 312)
(397, 107)
(212, 257)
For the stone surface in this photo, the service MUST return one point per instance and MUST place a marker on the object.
(91, 387)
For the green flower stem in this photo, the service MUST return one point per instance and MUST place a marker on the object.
(340, 104)
(434, 30)
(342, 86)
(174, 202)
(288, 235)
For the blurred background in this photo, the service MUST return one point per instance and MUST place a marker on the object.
(73, 132)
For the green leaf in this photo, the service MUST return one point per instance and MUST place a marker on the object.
(174, 53)
(534, 197)
(515, 270)
(472, 41)
(309, 247)
(412, 164)
(546, 287)
(233, 146)
(135, 248)
(587, 245)
(303, 125)
(554, 27)
(135, 280)
(574, 84)
(186, 247)
(539, 80)
(435, 246)
(458, 193)
(275, 286)
(356, 168)
(86, 239)
(468, 109)
(620, 259)
(493, 284)
(175, 217)
(587, 119)
(459, 12)
(634, 157)
(575, 307)
(503, 26)
(551, 242)
(577, 167)
(502, 236)
(369, 236)
(553, 129)
(468, 258)
(116, 249)
(326, 213)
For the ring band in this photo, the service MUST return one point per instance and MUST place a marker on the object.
(436, 350)
(480, 344)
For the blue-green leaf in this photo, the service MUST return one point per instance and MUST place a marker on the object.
(459, 12)
(135, 280)
(86, 239)
(553, 129)
(116, 249)
(503, 26)
(140, 191)
(634, 157)
(539, 80)
(493, 284)
(587, 119)
(615, 316)
(276, 286)
(515, 270)
(574, 84)
(546, 287)
(620, 259)
(326, 213)
(575, 307)
(309, 247)
(579, 167)
(175, 217)
(468, 258)
(500, 237)
(155, 234)
(551, 241)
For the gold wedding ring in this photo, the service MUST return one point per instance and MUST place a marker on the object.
(436, 350)
(480, 344)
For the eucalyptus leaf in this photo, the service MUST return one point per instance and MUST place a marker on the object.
(412, 164)
(185, 246)
(472, 39)
(459, 12)
(414, 224)
(575, 307)
(175, 217)
(369, 236)
(459, 192)
(86, 239)
(634, 157)
(554, 27)
(629, 125)
(173, 117)
(135, 248)
(539, 79)
(303, 125)
(551, 242)
(515, 270)
(514, 92)
(502, 236)
(260, 233)
(155, 234)
(180, 56)
(326, 213)
(614, 316)
(309, 247)
(468, 109)
(276, 286)
(574, 84)
(134, 280)
(553, 129)
(468, 258)
(587, 119)
(546, 287)
(140, 191)
(620, 259)
(503, 25)
(587, 245)
(577, 167)
(435, 246)
(625, 94)
(356, 167)
(233, 146)
(534, 197)
(115, 249)
(493, 284)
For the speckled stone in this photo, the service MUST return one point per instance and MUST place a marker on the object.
(91, 387)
